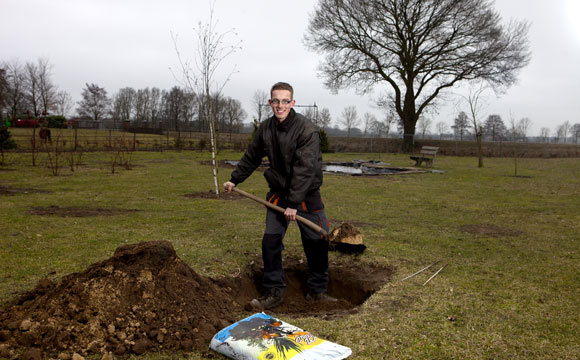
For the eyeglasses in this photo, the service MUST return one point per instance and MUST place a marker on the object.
(277, 101)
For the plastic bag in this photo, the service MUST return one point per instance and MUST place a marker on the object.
(263, 337)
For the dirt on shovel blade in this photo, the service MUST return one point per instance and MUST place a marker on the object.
(347, 239)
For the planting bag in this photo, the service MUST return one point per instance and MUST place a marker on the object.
(263, 337)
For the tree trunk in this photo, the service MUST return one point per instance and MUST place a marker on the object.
(479, 150)
(409, 118)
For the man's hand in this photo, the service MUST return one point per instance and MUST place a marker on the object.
(229, 186)
(290, 214)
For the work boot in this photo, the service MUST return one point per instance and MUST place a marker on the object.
(270, 299)
(320, 297)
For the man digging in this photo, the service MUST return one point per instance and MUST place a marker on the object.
(292, 145)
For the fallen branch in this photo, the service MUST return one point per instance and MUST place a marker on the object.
(420, 271)
(432, 276)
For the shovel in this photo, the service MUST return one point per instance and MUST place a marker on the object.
(303, 220)
(345, 238)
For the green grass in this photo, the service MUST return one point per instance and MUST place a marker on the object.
(501, 297)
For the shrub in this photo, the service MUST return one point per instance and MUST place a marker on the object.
(55, 121)
(324, 144)
(6, 142)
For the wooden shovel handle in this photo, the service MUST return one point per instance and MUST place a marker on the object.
(303, 220)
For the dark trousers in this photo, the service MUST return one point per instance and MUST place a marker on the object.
(314, 244)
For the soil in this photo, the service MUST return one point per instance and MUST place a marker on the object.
(145, 298)
(490, 230)
(211, 195)
(7, 190)
(69, 211)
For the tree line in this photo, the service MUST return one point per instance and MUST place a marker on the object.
(175, 109)
(495, 129)
(27, 91)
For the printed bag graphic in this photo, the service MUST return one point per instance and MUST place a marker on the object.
(263, 337)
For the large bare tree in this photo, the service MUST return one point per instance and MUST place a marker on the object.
(418, 47)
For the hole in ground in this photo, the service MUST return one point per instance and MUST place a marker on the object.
(146, 293)
(352, 284)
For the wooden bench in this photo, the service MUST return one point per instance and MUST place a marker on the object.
(427, 154)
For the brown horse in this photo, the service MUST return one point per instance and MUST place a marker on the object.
(44, 135)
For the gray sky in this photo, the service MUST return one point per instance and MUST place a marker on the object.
(128, 43)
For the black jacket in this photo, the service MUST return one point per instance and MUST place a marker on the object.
(293, 150)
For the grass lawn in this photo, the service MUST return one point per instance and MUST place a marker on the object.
(512, 244)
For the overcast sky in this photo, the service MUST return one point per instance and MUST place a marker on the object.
(128, 43)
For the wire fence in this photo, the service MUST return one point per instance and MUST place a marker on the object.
(30, 140)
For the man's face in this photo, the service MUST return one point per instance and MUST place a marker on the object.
(281, 103)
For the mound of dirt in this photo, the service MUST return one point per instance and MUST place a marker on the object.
(145, 298)
(142, 299)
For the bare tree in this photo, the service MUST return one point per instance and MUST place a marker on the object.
(211, 52)
(32, 87)
(524, 126)
(156, 106)
(349, 119)
(260, 104)
(63, 103)
(123, 104)
(310, 114)
(95, 103)
(494, 127)
(324, 118)
(476, 102)
(234, 114)
(389, 121)
(368, 120)
(424, 124)
(461, 123)
(174, 105)
(575, 131)
(514, 132)
(418, 47)
(3, 91)
(15, 101)
(442, 128)
(563, 130)
(46, 88)
(377, 128)
(141, 104)
(545, 134)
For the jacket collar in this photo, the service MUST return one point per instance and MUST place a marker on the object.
(285, 125)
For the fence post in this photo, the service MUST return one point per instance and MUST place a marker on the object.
(76, 139)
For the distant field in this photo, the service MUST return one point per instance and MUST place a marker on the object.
(91, 140)
(510, 289)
